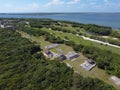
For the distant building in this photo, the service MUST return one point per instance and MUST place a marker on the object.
(27, 23)
(116, 80)
(49, 54)
(7, 24)
(51, 46)
(62, 57)
(69, 65)
(2, 26)
(24, 22)
(72, 55)
(88, 64)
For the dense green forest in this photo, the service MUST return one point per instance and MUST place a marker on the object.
(23, 67)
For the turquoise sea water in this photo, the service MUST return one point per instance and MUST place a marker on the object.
(105, 19)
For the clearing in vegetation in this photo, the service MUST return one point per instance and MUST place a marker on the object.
(94, 73)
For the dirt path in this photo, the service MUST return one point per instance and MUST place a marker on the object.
(105, 43)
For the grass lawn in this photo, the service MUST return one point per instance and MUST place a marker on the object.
(64, 48)
(94, 73)
(69, 27)
(79, 40)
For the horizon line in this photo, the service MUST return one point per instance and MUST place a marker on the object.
(53, 12)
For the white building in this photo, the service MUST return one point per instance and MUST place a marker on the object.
(1, 25)
(69, 65)
(116, 80)
(88, 64)
(51, 46)
(72, 55)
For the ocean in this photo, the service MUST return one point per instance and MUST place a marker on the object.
(104, 19)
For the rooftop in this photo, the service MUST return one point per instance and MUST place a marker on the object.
(88, 64)
(116, 80)
(51, 46)
(72, 55)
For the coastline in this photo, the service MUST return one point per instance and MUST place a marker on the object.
(103, 19)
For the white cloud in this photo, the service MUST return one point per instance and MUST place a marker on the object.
(34, 6)
(30, 7)
(55, 2)
(73, 2)
(61, 2)
(61, 6)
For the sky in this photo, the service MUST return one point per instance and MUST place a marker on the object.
(29, 6)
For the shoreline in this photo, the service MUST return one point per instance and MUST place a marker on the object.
(84, 18)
